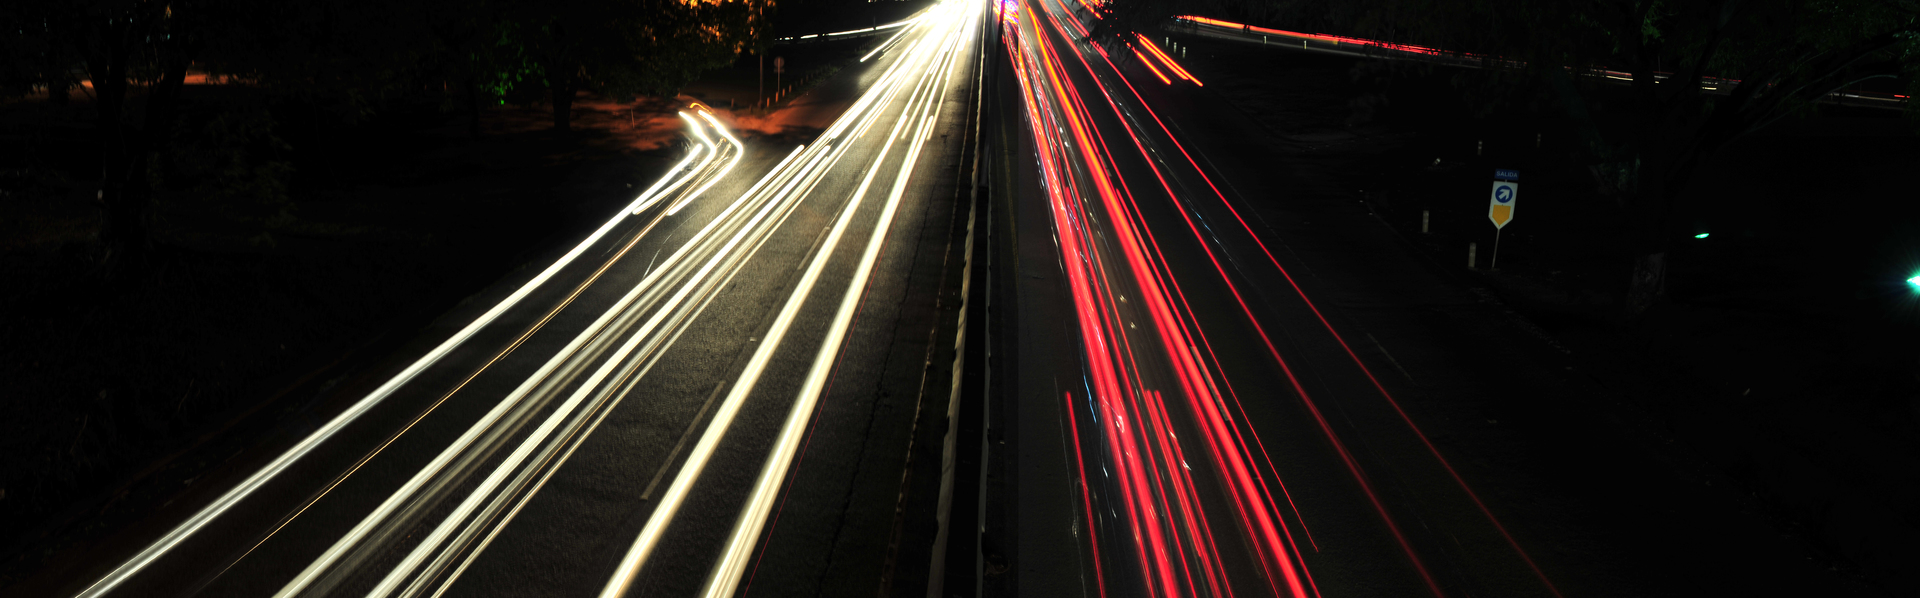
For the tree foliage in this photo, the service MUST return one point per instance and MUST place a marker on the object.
(349, 56)
(622, 48)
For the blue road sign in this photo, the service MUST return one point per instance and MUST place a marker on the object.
(1506, 174)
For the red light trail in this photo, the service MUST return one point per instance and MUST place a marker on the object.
(1173, 542)
(1053, 101)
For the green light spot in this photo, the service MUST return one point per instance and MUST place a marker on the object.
(1700, 236)
(1914, 282)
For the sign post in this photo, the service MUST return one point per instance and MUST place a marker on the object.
(779, 66)
(1506, 193)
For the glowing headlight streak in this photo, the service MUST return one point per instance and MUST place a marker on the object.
(862, 116)
(671, 499)
(602, 399)
(604, 406)
(778, 169)
(712, 152)
(699, 151)
(731, 565)
(678, 171)
(886, 44)
(887, 26)
(158, 548)
(738, 151)
(413, 486)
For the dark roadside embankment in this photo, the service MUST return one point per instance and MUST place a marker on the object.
(1779, 362)
(292, 249)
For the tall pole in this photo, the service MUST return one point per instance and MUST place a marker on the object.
(763, 77)
(1495, 263)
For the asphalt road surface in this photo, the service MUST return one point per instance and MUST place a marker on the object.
(715, 391)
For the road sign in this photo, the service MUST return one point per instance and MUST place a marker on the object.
(1500, 209)
(779, 64)
(1506, 193)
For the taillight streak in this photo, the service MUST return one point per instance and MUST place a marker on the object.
(1251, 506)
(1168, 60)
(1346, 456)
(1398, 410)
(1144, 61)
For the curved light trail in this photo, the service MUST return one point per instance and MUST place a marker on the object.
(922, 73)
(426, 526)
(596, 342)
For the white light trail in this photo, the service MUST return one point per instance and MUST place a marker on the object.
(889, 86)
(887, 26)
(712, 152)
(738, 151)
(689, 173)
(886, 44)
(199, 520)
(511, 464)
(726, 574)
(400, 497)
(643, 203)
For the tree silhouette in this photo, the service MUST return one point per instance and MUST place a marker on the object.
(626, 47)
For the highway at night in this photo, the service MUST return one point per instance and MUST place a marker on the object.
(959, 299)
(631, 419)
